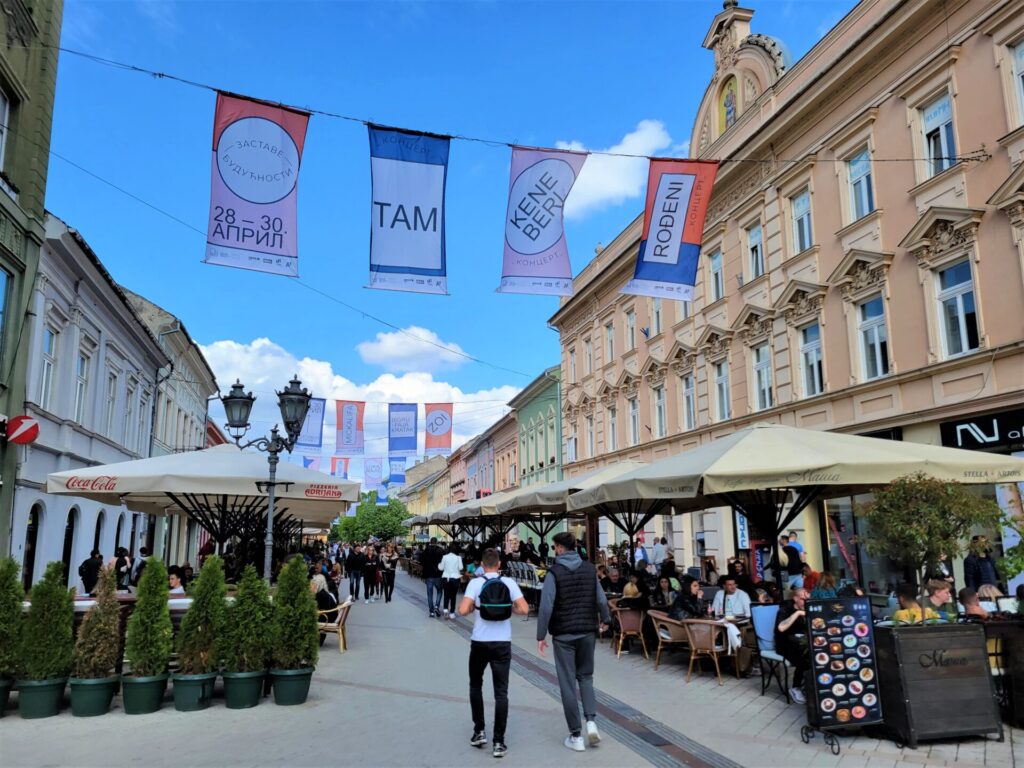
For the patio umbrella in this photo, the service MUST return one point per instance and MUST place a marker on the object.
(475, 515)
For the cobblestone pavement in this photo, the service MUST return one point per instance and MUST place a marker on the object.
(398, 697)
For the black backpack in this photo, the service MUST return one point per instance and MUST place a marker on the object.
(495, 601)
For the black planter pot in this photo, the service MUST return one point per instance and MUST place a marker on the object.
(92, 697)
(5, 694)
(142, 695)
(243, 690)
(193, 692)
(40, 698)
(291, 686)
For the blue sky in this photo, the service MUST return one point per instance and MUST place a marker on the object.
(603, 74)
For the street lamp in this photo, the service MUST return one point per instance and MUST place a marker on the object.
(293, 401)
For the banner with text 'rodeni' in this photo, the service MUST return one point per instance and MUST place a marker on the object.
(437, 429)
(678, 192)
(407, 243)
(402, 429)
(349, 437)
(536, 253)
(257, 150)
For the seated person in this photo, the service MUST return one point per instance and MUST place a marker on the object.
(910, 609)
(791, 640)
(689, 602)
(738, 570)
(824, 586)
(668, 568)
(602, 572)
(325, 601)
(940, 599)
(730, 601)
(972, 605)
(613, 582)
(664, 597)
(174, 581)
(635, 594)
(989, 595)
(769, 593)
(811, 577)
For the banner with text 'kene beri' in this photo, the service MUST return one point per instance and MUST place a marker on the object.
(438, 429)
(678, 192)
(348, 440)
(407, 243)
(257, 150)
(536, 253)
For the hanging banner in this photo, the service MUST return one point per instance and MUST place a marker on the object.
(407, 244)
(339, 467)
(396, 465)
(382, 493)
(312, 435)
(678, 192)
(311, 462)
(536, 253)
(257, 150)
(402, 429)
(349, 437)
(373, 474)
(438, 429)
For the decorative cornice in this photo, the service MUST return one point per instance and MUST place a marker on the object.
(860, 272)
(753, 324)
(21, 27)
(800, 301)
(940, 231)
(714, 342)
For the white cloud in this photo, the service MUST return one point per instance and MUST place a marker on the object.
(411, 349)
(264, 366)
(607, 181)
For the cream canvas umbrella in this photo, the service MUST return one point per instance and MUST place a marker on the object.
(476, 515)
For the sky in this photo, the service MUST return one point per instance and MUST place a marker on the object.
(620, 76)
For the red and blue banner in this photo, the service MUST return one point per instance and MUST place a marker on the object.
(339, 467)
(349, 438)
(438, 429)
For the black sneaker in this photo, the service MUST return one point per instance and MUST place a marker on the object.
(499, 749)
(479, 739)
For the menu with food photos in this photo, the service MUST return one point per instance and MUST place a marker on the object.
(842, 687)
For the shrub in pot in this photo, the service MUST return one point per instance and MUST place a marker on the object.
(11, 597)
(97, 649)
(46, 645)
(148, 643)
(296, 637)
(198, 639)
(246, 646)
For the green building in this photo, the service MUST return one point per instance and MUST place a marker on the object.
(28, 80)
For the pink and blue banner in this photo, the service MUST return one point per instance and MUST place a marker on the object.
(257, 150)
(536, 253)
(678, 193)
(402, 429)
(339, 467)
(349, 438)
(311, 462)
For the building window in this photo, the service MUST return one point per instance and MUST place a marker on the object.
(686, 309)
(512, 474)
(717, 278)
(801, 207)
(862, 198)
(656, 316)
(572, 365)
(609, 342)
(630, 330)
(50, 340)
(763, 376)
(5, 281)
(588, 355)
(659, 411)
(938, 135)
(612, 427)
(634, 421)
(755, 252)
(956, 306)
(1018, 77)
(141, 434)
(722, 405)
(5, 122)
(82, 386)
(129, 413)
(111, 403)
(590, 437)
(874, 342)
(570, 444)
(689, 403)
(810, 360)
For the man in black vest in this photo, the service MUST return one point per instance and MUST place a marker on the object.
(571, 605)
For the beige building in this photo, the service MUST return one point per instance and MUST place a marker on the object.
(862, 265)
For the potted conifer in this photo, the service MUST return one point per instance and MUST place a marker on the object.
(97, 649)
(198, 639)
(148, 643)
(46, 645)
(11, 597)
(247, 642)
(296, 638)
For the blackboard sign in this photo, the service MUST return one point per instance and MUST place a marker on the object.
(843, 688)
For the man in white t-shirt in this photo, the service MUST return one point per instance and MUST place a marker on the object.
(491, 644)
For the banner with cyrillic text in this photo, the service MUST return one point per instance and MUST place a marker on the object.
(438, 429)
(339, 467)
(536, 253)
(407, 242)
(678, 192)
(312, 435)
(257, 150)
(402, 429)
(349, 438)
(397, 467)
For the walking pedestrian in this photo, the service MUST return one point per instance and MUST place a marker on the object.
(370, 568)
(451, 577)
(388, 567)
(89, 571)
(573, 608)
(431, 561)
(495, 598)
(354, 565)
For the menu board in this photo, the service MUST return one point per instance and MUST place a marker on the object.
(843, 687)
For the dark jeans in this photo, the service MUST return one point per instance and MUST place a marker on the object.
(797, 658)
(451, 591)
(388, 585)
(574, 662)
(499, 656)
(369, 584)
(434, 587)
(354, 578)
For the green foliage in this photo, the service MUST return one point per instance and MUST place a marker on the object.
(296, 638)
(1012, 562)
(46, 645)
(246, 645)
(383, 522)
(202, 626)
(11, 597)
(150, 634)
(99, 638)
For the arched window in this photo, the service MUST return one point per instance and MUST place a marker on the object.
(101, 520)
(69, 542)
(134, 535)
(28, 562)
(117, 532)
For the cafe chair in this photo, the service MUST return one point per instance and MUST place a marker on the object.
(670, 633)
(1007, 604)
(707, 638)
(338, 625)
(630, 624)
(764, 626)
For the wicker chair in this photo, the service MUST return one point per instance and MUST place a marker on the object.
(707, 638)
(338, 625)
(630, 625)
(670, 632)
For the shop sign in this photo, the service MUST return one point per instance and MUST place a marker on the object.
(996, 430)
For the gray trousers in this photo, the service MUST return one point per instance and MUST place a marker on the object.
(574, 662)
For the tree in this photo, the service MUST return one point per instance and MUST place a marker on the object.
(150, 634)
(296, 636)
(1012, 562)
(201, 627)
(382, 522)
(247, 634)
(47, 644)
(11, 596)
(98, 647)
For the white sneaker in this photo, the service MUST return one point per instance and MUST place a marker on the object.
(593, 735)
(797, 695)
(366, 602)
(575, 743)
(445, 612)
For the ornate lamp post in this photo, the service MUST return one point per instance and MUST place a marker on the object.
(294, 403)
